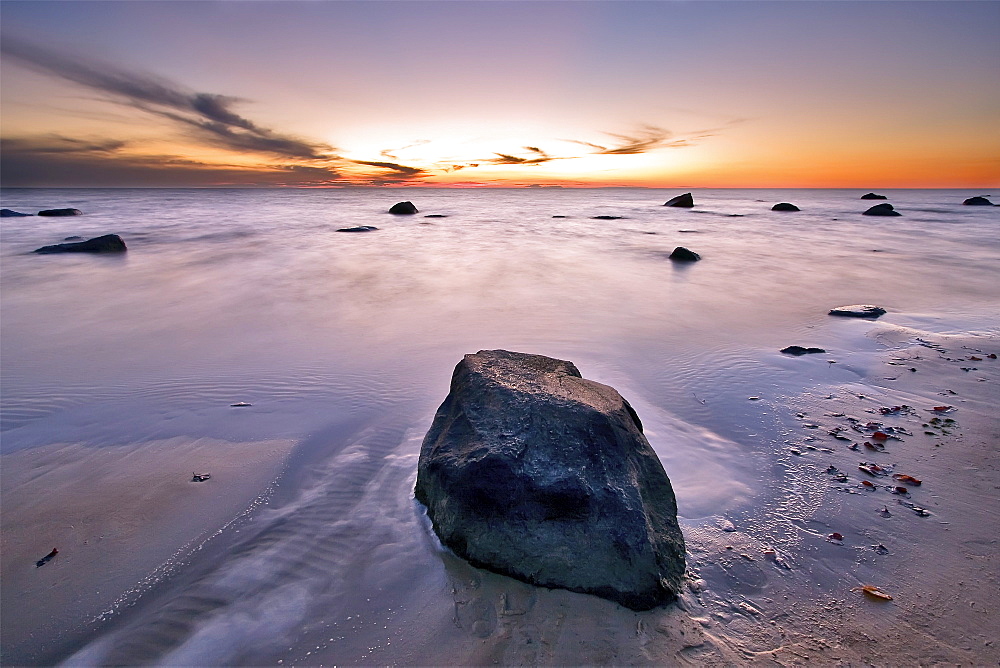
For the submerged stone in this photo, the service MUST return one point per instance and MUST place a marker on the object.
(881, 210)
(109, 243)
(685, 201)
(403, 208)
(858, 311)
(799, 350)
(534, 472)
(60, 212)
(681, 254)
(359, 228)
(10, 213)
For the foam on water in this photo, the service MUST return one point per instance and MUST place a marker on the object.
(345, 344)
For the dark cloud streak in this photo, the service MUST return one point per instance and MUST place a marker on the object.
(211, 115)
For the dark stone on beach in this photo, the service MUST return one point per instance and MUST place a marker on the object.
(858, 311)
(435, 215)
(403, 208)
(978, 201)
(359, 228)
(10, 213)
(608, 217)
(881, 210)
(60, 212)
(682, 254)
(873, 196)
(784, 206)
(109, 243)
(685, 200)
(531, 471)
(799, 350)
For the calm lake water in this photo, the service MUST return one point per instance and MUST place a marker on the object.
(345, 342)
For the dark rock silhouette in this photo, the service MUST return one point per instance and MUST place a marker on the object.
(60, 212)
(359, 228)
(858, 311)
(978, 201)
(881, 210)
(403, 208)
(532, 471)
(784, 206)
(10, 213)
(435, 215)
(685, 200)
(109, 243)
(682, 254)
(799, 350)
(608, 217)
(873, 196)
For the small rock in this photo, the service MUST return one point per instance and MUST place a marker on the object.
(884, 209)
(858, 311)
(784, 206)
(404, 208)
(73, 238)
(10, 213)
(972, 201)
(60, 212)
(240, 404)
(873, 196)
(608, 217)
(686, 201)
(682, 254)
(799, 350)
(435, 215)
(109, 243)
(359, 228)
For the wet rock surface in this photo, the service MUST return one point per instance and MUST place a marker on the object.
(109, 243)
(685, 201)
(10, 213)
(403, 208)
(884, 209)
(977, 201)
(858, 311)
(359, 228)
(532, 471)
(60, 212)
(682, 254)
(784, 206)
(800, 350)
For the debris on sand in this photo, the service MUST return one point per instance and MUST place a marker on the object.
(47, 558)
(200, 477)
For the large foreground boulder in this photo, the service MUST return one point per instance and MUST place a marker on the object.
(406, 208)
(532, 471)
(109, 243)
(685, 200)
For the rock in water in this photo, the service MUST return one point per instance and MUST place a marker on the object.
(884, 209)
(10, 213)
(109, 243)
(798, 351)
(359, 228)
(685, 200)
(873, 196)
(784, 206)
(403, 208)
(977, 201)
(858, 311)
(532, 471)
(60, 212)
(682, 254)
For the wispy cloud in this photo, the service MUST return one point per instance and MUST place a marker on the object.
(210, 115)
(537, 157)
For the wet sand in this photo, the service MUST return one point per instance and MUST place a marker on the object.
(121, 518)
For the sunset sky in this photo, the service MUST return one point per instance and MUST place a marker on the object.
(658, 94)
